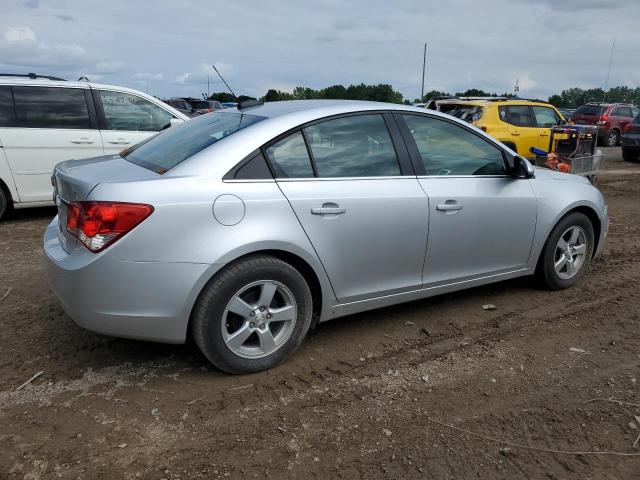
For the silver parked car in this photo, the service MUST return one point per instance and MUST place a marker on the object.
(245, 227)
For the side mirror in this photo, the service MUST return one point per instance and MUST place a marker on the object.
(522, 168)
(176, 121)
(562, 122)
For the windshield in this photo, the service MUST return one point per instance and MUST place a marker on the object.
(176, 144)
(595, 110)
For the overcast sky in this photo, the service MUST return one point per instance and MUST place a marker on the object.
(166, 46)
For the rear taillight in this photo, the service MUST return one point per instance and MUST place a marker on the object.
(98, 224)
(629, 127)
(602, 121)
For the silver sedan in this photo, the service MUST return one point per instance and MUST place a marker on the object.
(244, 227)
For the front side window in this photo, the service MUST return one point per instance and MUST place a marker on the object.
(448, 149)
(518, 115)
(289, 157)
(176, 144)
(123, 111)
(51, 107)
(7, 118)
(354, 146)
(545, 117)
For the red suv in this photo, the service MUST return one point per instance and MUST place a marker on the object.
(611, 119)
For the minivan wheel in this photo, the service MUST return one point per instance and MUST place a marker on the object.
(567, 252)
(253, 315)
(612, 138)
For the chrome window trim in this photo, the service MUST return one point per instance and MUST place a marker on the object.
(464, 176)
(343, 179)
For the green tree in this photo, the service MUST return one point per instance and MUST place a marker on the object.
(222, 97)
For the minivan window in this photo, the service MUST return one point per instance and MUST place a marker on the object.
(353, 146)
(123, 111)
(7, 118)
(51, 107)
(176, 144)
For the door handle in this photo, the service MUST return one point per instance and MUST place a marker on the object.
(120, 143)
(544, 134)
(82, 141)
(449, 207)
(515, 134)
(328, 210)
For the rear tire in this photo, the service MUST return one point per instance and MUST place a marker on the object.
(567, 252)
(3, 202)
(612, 138)
(241, 320)
(630, 156)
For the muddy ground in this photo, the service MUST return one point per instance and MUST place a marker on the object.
(366, 396)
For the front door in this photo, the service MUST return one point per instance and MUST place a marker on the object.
(128, 119)
(481, 220)
(50, 125)
(366, 221)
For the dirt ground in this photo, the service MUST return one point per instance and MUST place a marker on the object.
(378, 395)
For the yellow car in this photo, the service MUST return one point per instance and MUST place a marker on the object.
(519, 124)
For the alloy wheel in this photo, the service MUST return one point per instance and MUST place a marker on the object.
(570, 253)
(259, 319)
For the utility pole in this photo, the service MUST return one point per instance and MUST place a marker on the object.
(516, 88)
(208, 87)
(424, 64)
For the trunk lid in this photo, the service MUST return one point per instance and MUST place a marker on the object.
(74, 180)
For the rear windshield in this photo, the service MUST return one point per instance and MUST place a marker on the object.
(200, 104)
(468, 113)
(176, 144)
(595, 110)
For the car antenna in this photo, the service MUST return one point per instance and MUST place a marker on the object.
(241, 105)
(225, 82)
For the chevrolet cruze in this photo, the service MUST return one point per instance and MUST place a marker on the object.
(244, 227)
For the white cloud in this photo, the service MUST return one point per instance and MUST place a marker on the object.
(146, 76)
(19, 35)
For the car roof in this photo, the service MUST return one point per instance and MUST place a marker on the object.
(497, 101)
(276, 109)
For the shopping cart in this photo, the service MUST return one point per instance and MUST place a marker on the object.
(572, 149)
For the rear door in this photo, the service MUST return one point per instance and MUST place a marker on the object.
(127, 119)
(481, 220)
(49, 125)
(545, 118)
(358, 201)
(622, 116)
(522, 130)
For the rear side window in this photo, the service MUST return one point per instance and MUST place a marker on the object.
(7, 118)
(176, 144)
(622, 112)
(518, 115)
(545, 117)
(354, 146)
(289, 157)
(447, 149)
(123, 111)
(51, 107)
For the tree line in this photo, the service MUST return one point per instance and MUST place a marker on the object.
(570, 98)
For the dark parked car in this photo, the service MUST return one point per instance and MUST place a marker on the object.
(566, 112)
(611, 119)
(205, 106)
(631, 141)
(183, 106)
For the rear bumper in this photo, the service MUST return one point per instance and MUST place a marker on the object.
(139, 300)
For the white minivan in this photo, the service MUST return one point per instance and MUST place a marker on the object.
(46, 120)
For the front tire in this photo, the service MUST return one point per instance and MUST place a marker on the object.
(567, 252)
(253, 315)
